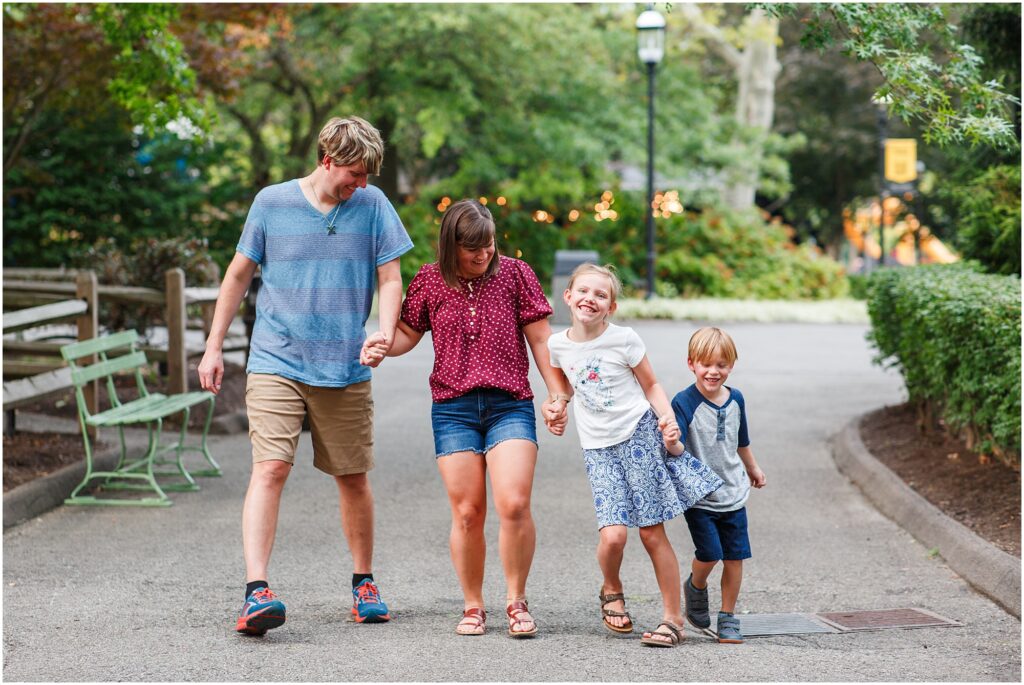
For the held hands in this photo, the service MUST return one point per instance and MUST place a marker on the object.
(556, 414)
(670, 432)
(211, 370)
(757, 477)
(374, 350)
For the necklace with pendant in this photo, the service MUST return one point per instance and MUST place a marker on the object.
(329, 219)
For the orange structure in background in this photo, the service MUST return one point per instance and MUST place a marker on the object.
(861, 229)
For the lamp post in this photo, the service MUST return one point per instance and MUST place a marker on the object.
(882, 108)
(650, 46)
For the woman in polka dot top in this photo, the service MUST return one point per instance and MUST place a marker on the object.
(483, 310)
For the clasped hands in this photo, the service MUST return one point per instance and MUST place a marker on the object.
(375, 348)
(555, 411)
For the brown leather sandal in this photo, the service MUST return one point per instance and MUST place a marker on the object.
(675, 635)
(474, 622)
(606, 613)
(515, 610)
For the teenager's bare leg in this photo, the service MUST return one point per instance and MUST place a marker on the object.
(464, 476)
(732, 578)
(259, 515)
(610, 549)
(356, 506)
(511, 464)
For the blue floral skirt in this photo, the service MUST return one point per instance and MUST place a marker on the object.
(638, 483)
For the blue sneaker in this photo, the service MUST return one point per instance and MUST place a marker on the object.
(367, 606)
(261, 612)
(729, 629)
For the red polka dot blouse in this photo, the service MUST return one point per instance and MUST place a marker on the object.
(478, 329)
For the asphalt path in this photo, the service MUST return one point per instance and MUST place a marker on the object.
(103, 594)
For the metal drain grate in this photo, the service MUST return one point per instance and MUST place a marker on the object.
(847, 621)
(761, 625)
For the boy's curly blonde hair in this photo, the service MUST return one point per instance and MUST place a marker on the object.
(709, 342)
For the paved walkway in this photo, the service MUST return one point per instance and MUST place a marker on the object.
(117, 594)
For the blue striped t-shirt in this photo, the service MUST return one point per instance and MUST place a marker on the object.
(316, 288)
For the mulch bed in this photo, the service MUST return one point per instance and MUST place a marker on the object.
(980, 492)
(31, 455)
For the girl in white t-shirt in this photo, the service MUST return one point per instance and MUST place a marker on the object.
(621, 412)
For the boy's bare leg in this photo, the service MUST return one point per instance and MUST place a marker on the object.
(732, 577)
(356, 505)
(259, 515)
(700, 570)
(610, 548)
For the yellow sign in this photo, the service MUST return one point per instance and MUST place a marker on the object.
(900, 160)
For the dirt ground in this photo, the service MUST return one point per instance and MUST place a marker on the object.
(31, 455)
(982, 494)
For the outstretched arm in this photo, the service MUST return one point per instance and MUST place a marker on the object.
(559, 391)
(670, 432)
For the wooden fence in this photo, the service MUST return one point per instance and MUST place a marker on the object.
(47, 296)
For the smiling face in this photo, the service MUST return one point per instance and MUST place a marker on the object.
(590, 298)
(711, 375)
(343, 181)
(473, 263)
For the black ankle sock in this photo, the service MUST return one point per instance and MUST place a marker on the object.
(253, 586)
(360, 577)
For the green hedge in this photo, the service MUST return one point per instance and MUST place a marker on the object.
(955, 334)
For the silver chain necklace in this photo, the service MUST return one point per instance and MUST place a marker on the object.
(329, 219)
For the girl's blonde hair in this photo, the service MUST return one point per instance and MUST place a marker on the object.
(350, 141)
(709, 342)
(468, 224)
(608, 271)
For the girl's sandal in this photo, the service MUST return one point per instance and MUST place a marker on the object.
(627, 627)
(675, 635)
(516, 611)
(474, 622)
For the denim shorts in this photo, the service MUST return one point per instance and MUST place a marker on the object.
(479, 420)
(719, 535)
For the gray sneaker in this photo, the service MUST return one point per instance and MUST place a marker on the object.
(729, 629)
(696, 604)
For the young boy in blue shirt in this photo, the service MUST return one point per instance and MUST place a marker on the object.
(713, 424)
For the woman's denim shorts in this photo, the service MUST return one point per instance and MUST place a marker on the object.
(479, 420)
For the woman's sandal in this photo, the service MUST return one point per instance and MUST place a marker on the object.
(627, 627)
(675, 635)
(515, 610)
(474, 622)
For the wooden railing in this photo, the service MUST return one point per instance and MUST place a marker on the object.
(57, 295)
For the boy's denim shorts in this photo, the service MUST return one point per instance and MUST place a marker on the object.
(719, 535)
(479, 420)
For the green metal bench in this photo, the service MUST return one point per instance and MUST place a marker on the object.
(150, 409)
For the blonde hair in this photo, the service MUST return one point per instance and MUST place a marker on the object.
(608, 271)
(350, 141)
(708, 342)
(467, 224)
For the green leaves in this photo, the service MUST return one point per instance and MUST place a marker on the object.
(930, 77)
(955, 335)
(153, 81)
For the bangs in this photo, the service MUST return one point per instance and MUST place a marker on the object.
(475, 233)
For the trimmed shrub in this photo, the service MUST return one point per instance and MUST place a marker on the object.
(955, 335)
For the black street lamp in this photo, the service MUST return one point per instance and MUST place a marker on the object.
(882, 108)
(650, 46)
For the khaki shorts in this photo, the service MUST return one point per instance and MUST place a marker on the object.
(341, 420)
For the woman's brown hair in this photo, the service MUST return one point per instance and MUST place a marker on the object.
(468, 224)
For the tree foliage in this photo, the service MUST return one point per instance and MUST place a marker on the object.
(945, 91)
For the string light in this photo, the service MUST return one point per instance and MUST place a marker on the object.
(501, 200)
